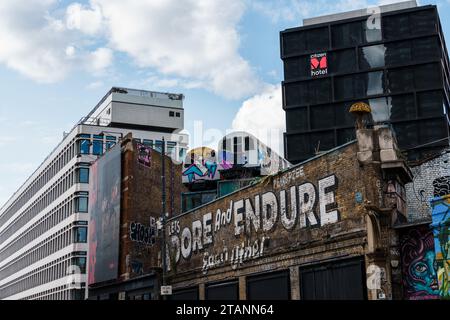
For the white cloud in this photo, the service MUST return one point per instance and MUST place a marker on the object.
(32, 41)
(195, 40)
(4, 140)
(100, 59)
(263, 116)
(95, 85)
(87, 20)
(70, 51)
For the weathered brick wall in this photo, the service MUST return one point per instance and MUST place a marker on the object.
(420, 191)
(352, 186)
(142, 205)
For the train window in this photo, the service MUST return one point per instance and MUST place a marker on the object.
(247, 143)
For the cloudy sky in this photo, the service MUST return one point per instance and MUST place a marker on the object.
(59, 57)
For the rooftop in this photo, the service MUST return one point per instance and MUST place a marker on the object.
(359, 13)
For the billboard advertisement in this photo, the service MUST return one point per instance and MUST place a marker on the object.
(104, 224)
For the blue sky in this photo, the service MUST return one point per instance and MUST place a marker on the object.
(58, 58)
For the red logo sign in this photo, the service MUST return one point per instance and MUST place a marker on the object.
(319, 64)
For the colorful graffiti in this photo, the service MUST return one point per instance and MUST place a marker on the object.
(200, 164)
(144, 155)
(441, 229)
(418, 265)
(241, 149)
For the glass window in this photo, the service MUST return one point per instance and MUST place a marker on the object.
(109, 144)
(428, 76)
(322, 141)
(400, 80)
(171, 148)
(84, 146)
(398, 53)
(181, 153)
(317, 39)
(297, 119)
(148, 143)
(319, 91)
(158, 145)
(345, 135)
(83, 175)
(403, 107)
(407, 134)
(396, 26)
(370, 32)
(372, 57)
(425, 48)
(97, 147)
(347, 34)
(342, 61)
(296, 93)
(431, 104)
(80, 262)
(297, 67)
(171, 114)
(423, 21)
(178, 115)
(294, 43)
(432, 130)
(80, 234)
(298, 146)
(343, 117)
(381, 109)
(375, 83)
(322, 116)
(359, 85)
(81, 204)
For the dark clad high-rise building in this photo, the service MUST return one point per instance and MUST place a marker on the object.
(401, 69)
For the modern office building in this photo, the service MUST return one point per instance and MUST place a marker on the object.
(43, 226)
(395, 60)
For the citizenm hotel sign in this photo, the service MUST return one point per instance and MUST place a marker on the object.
(319, 64)
(247, 225)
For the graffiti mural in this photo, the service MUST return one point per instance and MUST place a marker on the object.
(143, 234)
(441, 229)
(241, 149)
(254, 217)
(144, 155)
(418, 265)
(421, 190)
(200, 164)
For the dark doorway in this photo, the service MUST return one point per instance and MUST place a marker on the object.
(269, 286)
(343, 280)
(185, 294)
(222, 291)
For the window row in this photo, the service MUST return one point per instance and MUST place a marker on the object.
(411, 134)
(49, 272)
(53, 218)
(385, 109)
(37, 206)
(61, 239)
(47, 174)
(361, 85)
(94, 144)
(356, 33)
(376, 56)
(157, 146)
(59, 293)
(174, 114)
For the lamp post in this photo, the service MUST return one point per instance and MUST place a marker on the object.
(163, 213)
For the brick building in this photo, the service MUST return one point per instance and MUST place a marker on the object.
(322, 229)
(124, 249)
